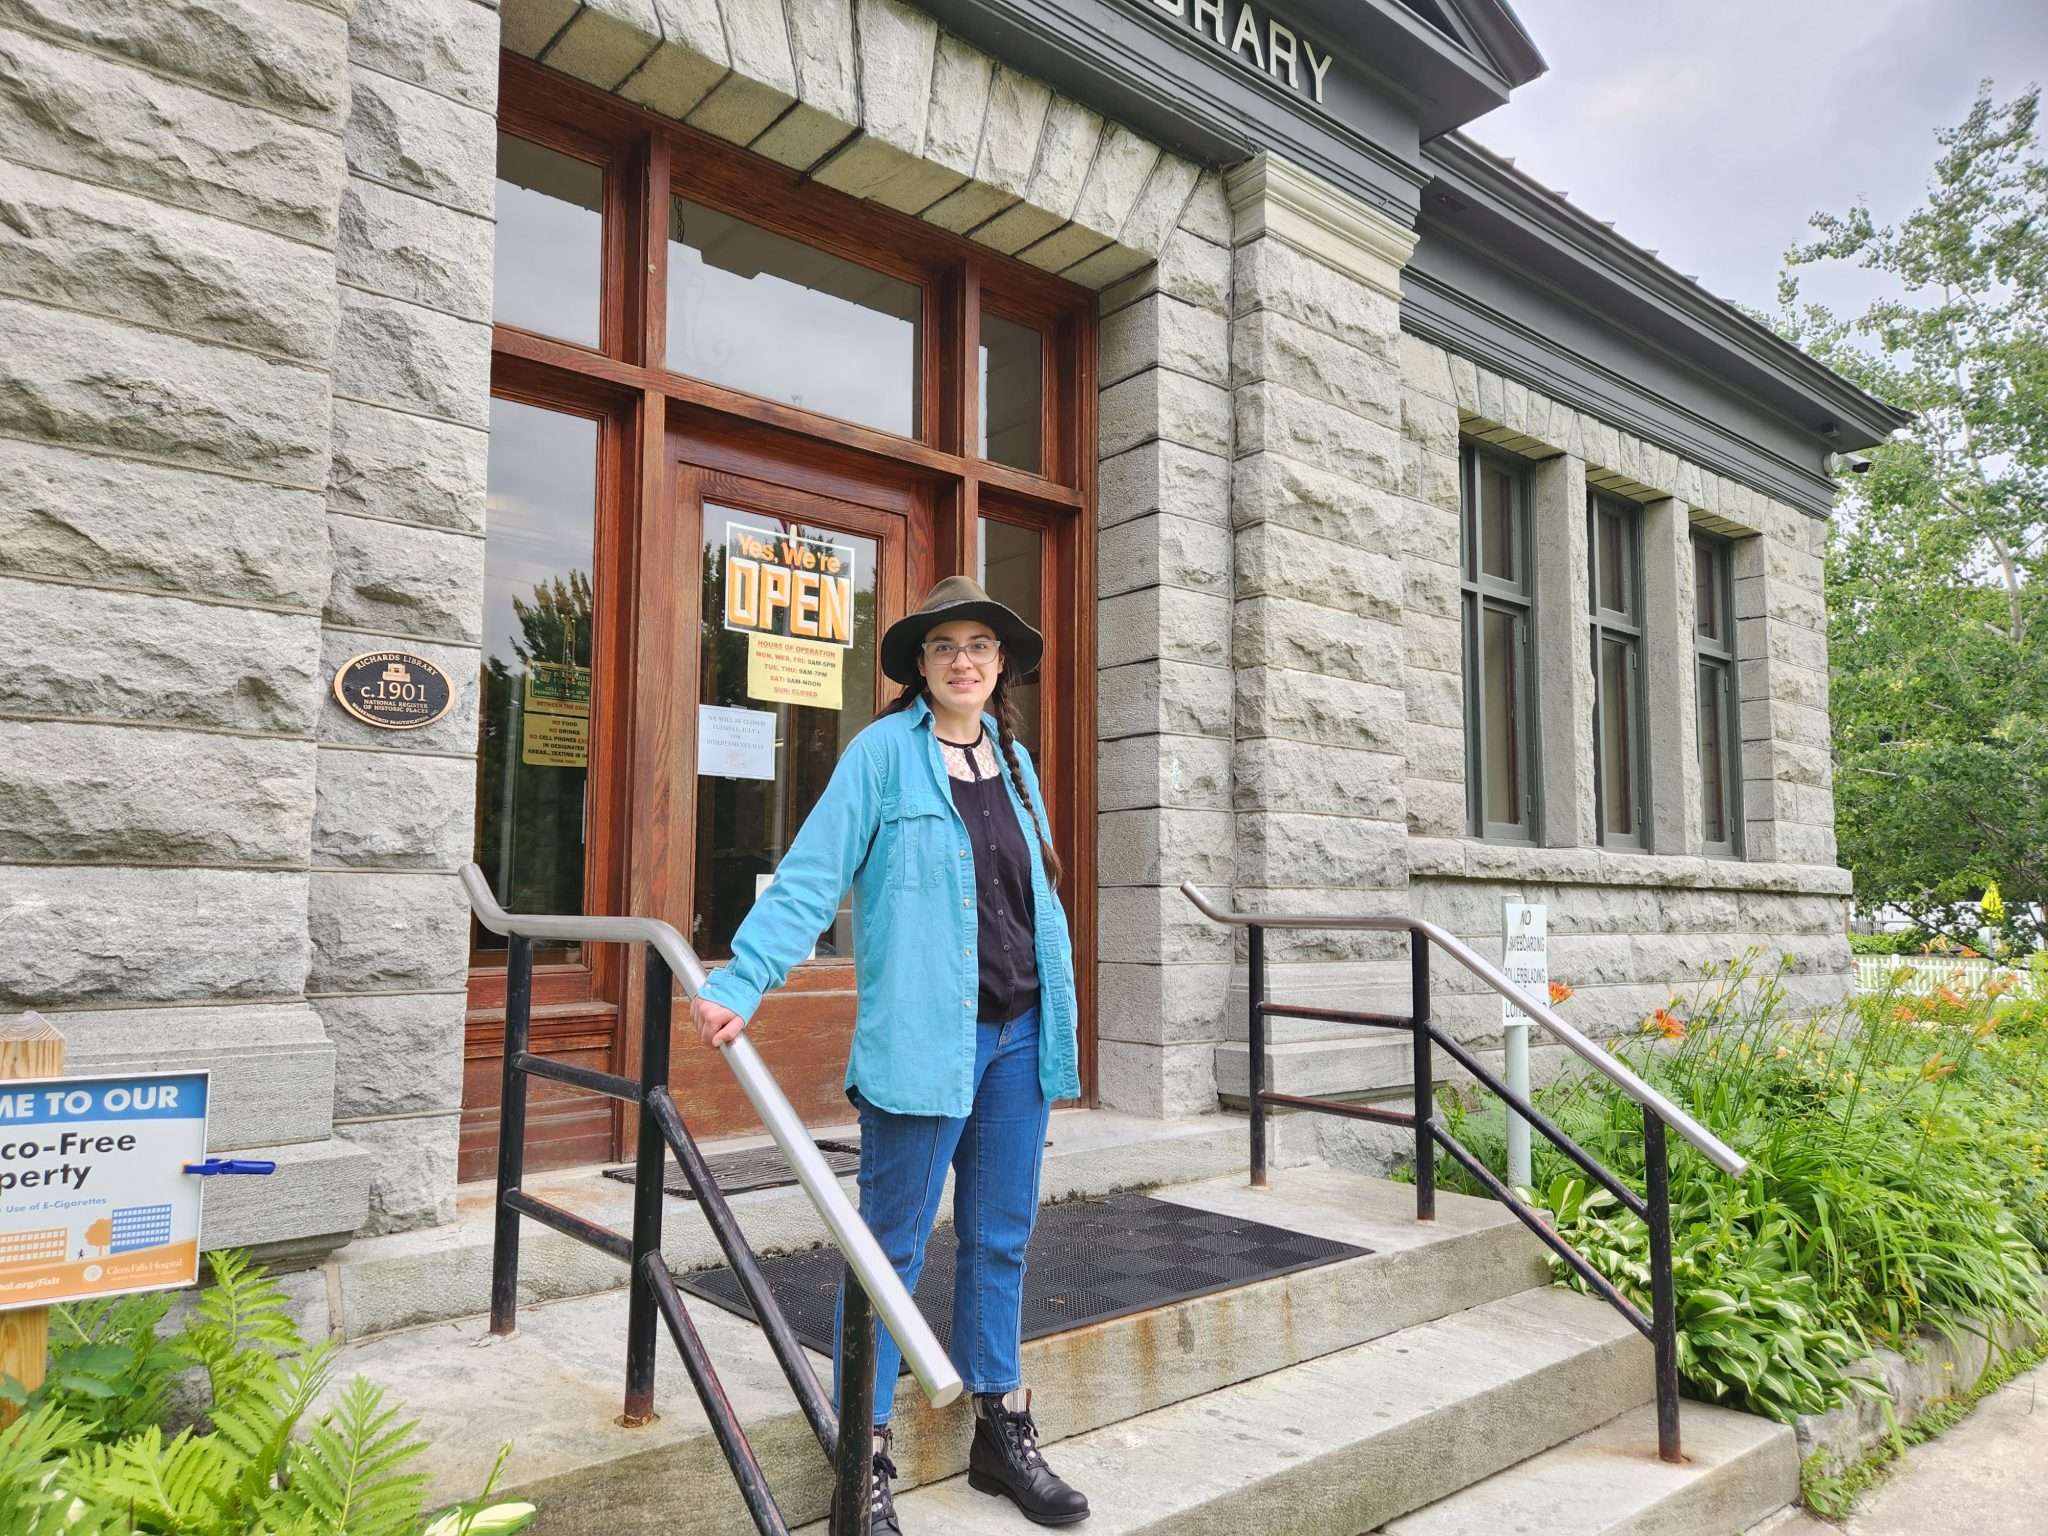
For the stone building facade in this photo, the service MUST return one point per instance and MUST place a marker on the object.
(247, 256)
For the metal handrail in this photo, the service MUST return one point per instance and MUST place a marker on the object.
(1709, 1146)
(1660, 1324)
(921, 1349)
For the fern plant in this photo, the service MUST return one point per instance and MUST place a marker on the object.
(109, 1367)
(88, 1453)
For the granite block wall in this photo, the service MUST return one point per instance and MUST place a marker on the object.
(170, 192)
(404, 508)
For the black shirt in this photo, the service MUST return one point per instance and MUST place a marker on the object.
(1004, 905)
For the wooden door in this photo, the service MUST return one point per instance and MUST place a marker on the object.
(790, 563)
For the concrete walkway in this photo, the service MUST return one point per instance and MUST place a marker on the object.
(1983, 1477)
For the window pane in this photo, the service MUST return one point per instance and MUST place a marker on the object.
(548, 271)
(744, 826)
(1468, 495)
(1012, 394)
(1012, 560)
(1497, 523)
(1617, 738)
(1498, 714)
(1613, 561)
(754, 311)
(533, 752)
(1706, 567)
(1713, 754)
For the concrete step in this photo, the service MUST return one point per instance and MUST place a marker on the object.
(1344, 1443)
(413, 1278)
(554, 1389)
(1738, 1471)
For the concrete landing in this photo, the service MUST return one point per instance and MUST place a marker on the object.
(380, 1284)
(1608, 1482)
(554, 1389)
(1341, 1444)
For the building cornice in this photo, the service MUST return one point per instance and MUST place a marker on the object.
(1715, 335)
(1460, 323)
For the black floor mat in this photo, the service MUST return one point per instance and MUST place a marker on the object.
(754, 1168)
(1091, 1260)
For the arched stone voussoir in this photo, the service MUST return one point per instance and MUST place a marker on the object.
(872, 98)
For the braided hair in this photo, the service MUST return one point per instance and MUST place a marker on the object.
(1004, 708)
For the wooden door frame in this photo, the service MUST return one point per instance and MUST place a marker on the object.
(645, 158)
(782, 474)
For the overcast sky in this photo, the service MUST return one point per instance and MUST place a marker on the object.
(1709, 130)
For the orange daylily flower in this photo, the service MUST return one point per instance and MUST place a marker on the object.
(1559, 993)
(1666, 1023)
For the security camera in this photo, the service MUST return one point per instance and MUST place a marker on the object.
(1854, 463)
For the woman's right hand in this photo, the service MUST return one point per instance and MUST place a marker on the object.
(716, 1025)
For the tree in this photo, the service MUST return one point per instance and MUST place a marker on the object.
(1937, 619)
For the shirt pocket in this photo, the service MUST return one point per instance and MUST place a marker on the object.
(921, 842)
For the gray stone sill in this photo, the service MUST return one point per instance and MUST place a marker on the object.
(1471, 858)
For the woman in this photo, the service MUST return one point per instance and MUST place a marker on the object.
(965, 1033)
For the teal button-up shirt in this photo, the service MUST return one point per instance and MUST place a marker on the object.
(886, 826)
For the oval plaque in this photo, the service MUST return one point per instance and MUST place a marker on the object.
(393, 690)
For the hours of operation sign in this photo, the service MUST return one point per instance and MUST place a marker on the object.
(94, 1195)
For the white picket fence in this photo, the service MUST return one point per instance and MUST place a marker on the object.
(1925, 973)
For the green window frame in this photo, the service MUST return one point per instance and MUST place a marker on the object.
(1614, 540)
(1497, 618)
(1718, 696)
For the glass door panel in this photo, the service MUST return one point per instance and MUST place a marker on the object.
(533, 752)
(1013, 573)
(786, 678)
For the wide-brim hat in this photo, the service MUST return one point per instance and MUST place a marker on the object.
(955, 599)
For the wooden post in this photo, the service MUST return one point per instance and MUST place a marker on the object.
(30, 1046)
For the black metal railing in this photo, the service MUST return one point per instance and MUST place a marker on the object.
(1653, 1206)
(872, 1284)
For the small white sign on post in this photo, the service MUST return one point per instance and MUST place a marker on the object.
(95, 1199)
(1525, 958)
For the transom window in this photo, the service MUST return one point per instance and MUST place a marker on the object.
(1720, 735)
(1614, 533)
(1498, 617)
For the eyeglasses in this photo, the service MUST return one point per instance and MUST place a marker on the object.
(981, 651)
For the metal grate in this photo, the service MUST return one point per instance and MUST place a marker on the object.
(1090, 1260)
(755, 1168)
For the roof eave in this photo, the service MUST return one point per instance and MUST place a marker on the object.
(1858, 418)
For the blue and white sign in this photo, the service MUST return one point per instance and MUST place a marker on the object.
(95, 1194)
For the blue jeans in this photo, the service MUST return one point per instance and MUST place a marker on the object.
(996, 1154)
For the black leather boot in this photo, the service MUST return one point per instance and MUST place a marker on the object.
(881, 1502)
(1005, 1460)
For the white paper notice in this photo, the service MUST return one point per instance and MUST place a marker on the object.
(735, 743)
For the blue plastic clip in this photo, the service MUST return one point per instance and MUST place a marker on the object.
(214, 1165)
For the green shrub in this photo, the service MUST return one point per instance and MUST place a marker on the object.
(1897, 1177)
(90, 1454)
(1906, 941)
